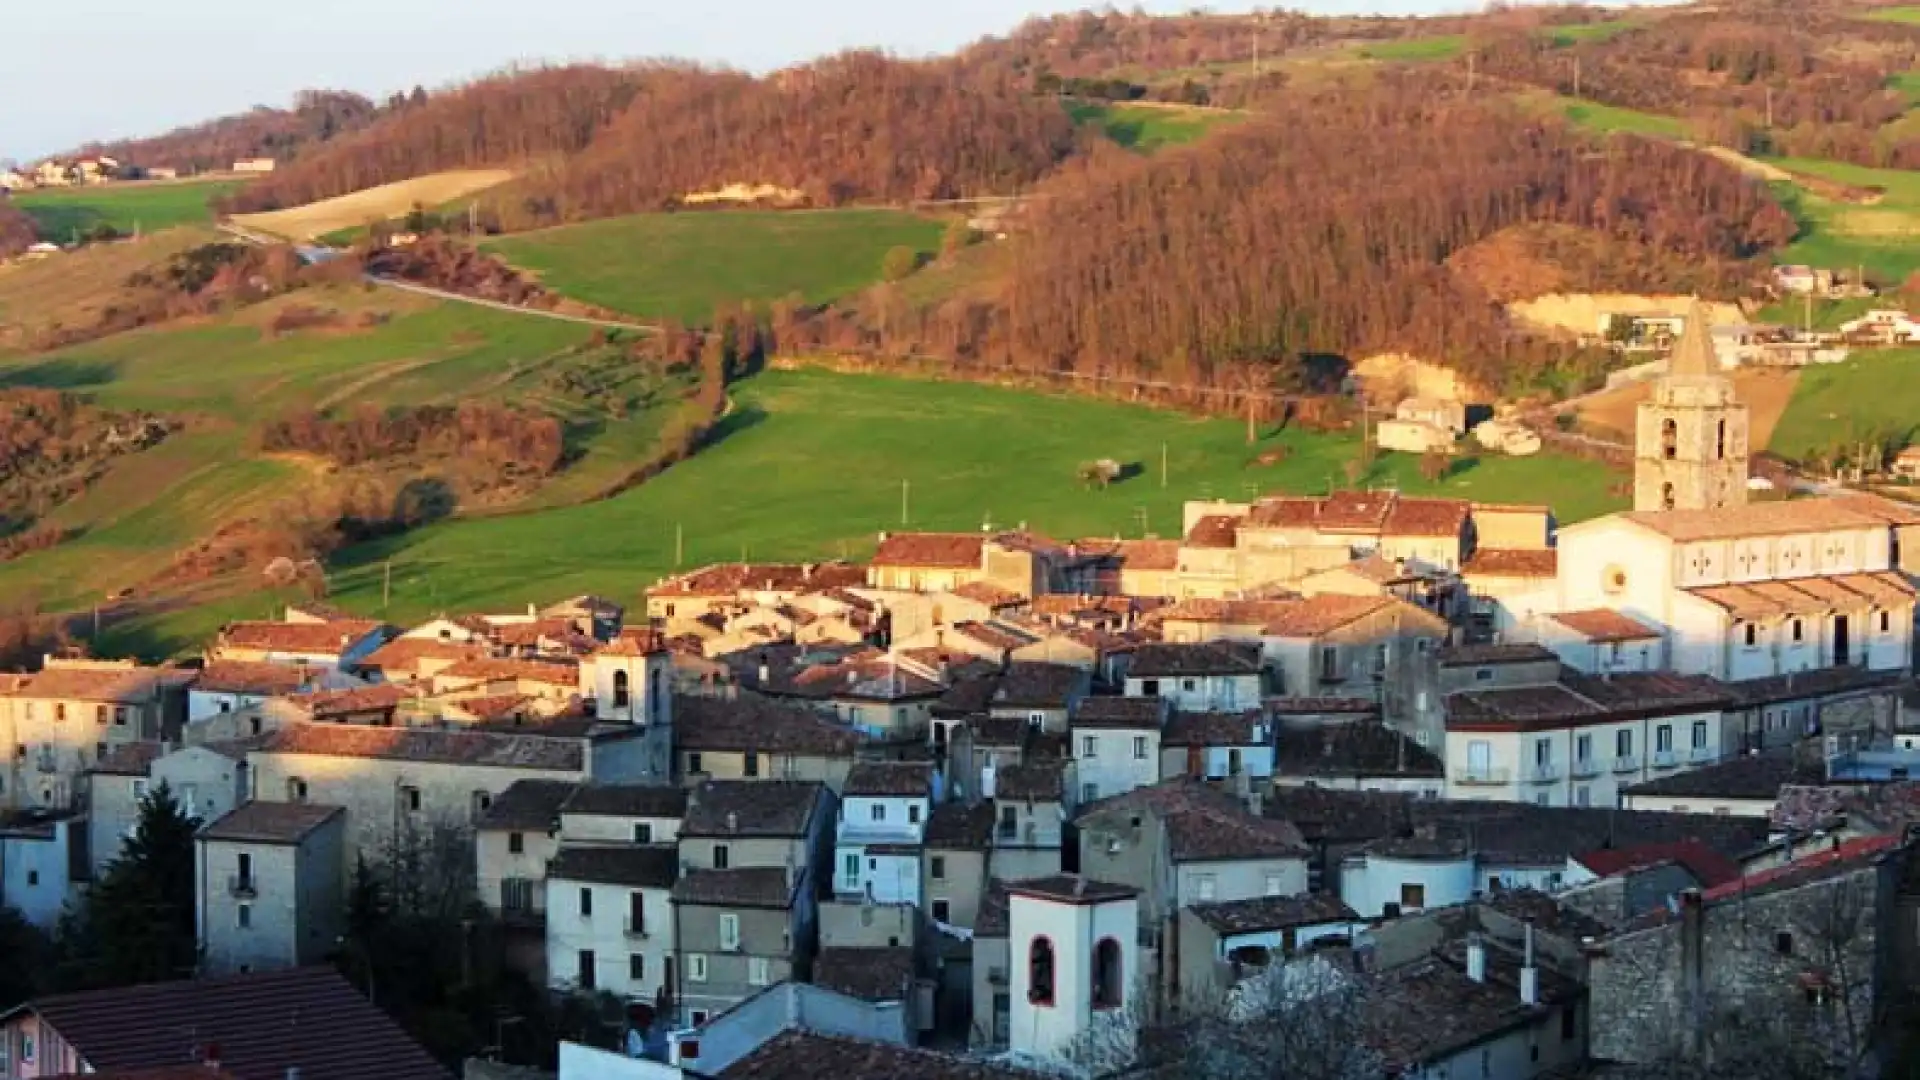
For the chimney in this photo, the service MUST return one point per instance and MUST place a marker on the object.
(1476, 959)
(733, 821)
(1529, 975)
(1693, 975)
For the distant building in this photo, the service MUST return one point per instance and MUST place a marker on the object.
(253, 165)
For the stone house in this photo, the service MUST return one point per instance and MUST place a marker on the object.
(1200, 676)
(992, 974)
(270, 886)
(552, 680)
(1507, 588)
(207, 781)
(885, 977)
(611, 920)
(1495, 666)
(1023, 563)
(955, 849)
(1602, 641)
(724, 587)
(116, 786)
(1374, 647)
(1474, 1008)
(1218, 746)
(886, 695)
(43, 863)
(1031, 804)
(1220, 939)
(1359, 755)
(514, 840)
(884, 808)
(226, 686)
(71, 714)
(339, 644)
(750, 737)
(1116, 744)
(408, 659)
(1146, 568)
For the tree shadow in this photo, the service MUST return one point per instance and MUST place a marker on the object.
(742, 418)
(59, 375)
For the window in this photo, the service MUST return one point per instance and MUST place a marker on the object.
(253, 725)
(720, 854)
(1040, 972)
(1783, 943)
(693, 762)
(1276, 886)
(243, 868)
(516, 843)
(1089, 746)
(1149, 687)
(1329, 663)
(1667, 499)
(516, 895)
(1107, 985)
(1663, 739)
(296, 789)
(643, 832)
(1139, 748)
(482, 802)
(33, 877)
(586, 903)
(1581, 796)
(139, 791)
(1623, 743)
(1189, 685)
(637, 913)
(1413, 896)
(942, 911)
(586, 979)
(622, 690)
(878, 811)
(1567, 1024)
(1203, 886)
(1583, 748)
(1669, 439)
(750, 764)
(1699, 734)
(1089, 792)
(1543, 752)
(1720, 441)
(410, 798)
(1752, 635)
(937, 867)
(913, 813)
(1886, 622)
(60, 713)
(636, 967)
(1796, 630)
(759, 971)
(243, 916)
(1483, 674)
(729, 931)
(100, 713)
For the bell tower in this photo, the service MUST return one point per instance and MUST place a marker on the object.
(1690, 439)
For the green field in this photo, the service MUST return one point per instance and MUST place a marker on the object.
(1909, 14)
(1608, 119)
(1872, 394)
(1416, 50)
(1579, 33)
(61, 213)
(682, 266)
(1883, 237)
(1827, 314)
(1150, 127)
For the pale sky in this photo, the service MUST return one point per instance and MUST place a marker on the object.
(76, 70)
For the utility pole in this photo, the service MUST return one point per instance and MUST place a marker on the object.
(906, 492)
(1576, 75)
(679, 543)
(1808, 317)
(1473, 60)
(1769, 108)
(1163, 466)
(386, 584)
(1256, 45)
(473, 217)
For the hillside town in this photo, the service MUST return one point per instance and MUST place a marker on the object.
(1349, 785)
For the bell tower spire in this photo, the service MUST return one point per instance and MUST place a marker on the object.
(1690, 445)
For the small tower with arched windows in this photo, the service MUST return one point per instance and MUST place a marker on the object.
(1690, 444)
(1075, 955)
(629, 680)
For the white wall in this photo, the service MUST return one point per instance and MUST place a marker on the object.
(579, 1062)
(1199, 693)
(34, 873)
(605, 932)
(1073, 930)
(1114, 768)
(1242, 879)
(1370, 883)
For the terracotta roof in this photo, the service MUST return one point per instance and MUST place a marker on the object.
(551, 672)
(1512, 562)
(263, 1024)
(405, 653)
(1708, 867)
(1603, 625)
(1426, 517)
(987, 593)
(889, 779)
(527, 806)
(380, 698)
(1514, 652)
(1815, 682)
(1203, 823)
(1755, 519)
(1041, 781)
(758, 886)
(872, 676)
(481, 748)
(130, 759)
(931, 550)
(1418, 1013)
(1274, 913)
(1304, 706)
(730, 579)
(1812, 866)
(766, 808)
(326, 639)
(1216, 531)
(1891, 511)
(254, 677)
(1149, 554)
(1753, 777)
(102, 683)
(871, 974)
(491, 708)
(1323, 614)
(802, 1053)
(1162, 659)
(751, 722)
(1373, 567)
(1284, 512)
(628, 800)
(1361, 748)
(1071, 889)
(1247, 728)
(1032, 684)
(634, 641)
(994, 635)
(640, 866)
(1809, 596)
(1238, 612)
(959, 826)
(1583, 699)
(260, 822)
(1122, 713)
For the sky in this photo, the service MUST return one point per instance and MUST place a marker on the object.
(77, 70)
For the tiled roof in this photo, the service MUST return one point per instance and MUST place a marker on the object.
(759, 886)
(380, 698)
(729, 579)
(1585, 699)
(1216, 531)
(1203, 823)
(492, 708)
(1042, 781)
(1236, 612)
(254, 677)
(1284, 512)
(804, 1054)
(1032, 684)
(1197, 658)
(931, 550)
(634, 641)
(872, 676)
(1360, 748)
(640, 866)
(1891, 511)
(497, 749)
(871, 974)
(1216, 729)
(1323, 614)
(987, 593)
(1754, 776)
(1121, 713)
(1071, 889)
(1426, 517)
(550, 672)
(111, 684)
(130, 759)
(1816, 682)
(527, 805)
(959, 826)
(888, 778)
(1274, 913)
(1354, 511)
(775, 808)
(327, 638)
(1604, 625)
(1302, 706)
(1418, 1013)
(1708, 867)
(1512, 562)
(1755, 519)
(264, 1024)
(1373, 567)
(1149, 554)
(752, 722)
(405, 653)
(263, 822)
(628, 800)
(1516, 652)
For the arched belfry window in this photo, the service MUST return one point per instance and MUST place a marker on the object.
(1669, 439)
(1720, 445)
(1666, 496)
(1040, 972)
(1107, 975)
(622, 690)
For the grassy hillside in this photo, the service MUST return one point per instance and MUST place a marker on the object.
(72, 289)
(1883, 236)
(1150, 127)
(1416, 50)
(388, 201)
(681, 266)
(1874, 393)
(149, 206)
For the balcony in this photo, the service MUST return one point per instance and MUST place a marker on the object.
(859, 833)
(1543, 772)
(1586, 768)
(245, 887)
(1626, 763)
(634, 928)
(1666, 759)
(1482, 776)
(1702, 755)
(523, 918)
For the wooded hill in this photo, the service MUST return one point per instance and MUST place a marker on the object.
(282, 134)
(17, 231)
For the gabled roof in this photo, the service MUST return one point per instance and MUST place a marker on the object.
(1217, 531)
(1605, 625)
(889, 779)
(130, 759)
(106, 683)
(1360, 748)
(1041, 781)
(319, 704)
(729, 579)
(751, 722)
(1753, 519)
(1707, 866)
(320, 639)
(1161, 659)
(253, 677)
(1274, 913)
(261, 822)
(763, 808)
(984, 592)
(1203, 823)
(405, 653)
(756, 887)
(482, 748)
(871, 974)
(957, 826)
(1512, 562)
(627, 800)
(1121, 713)
(640, 866)
(262, 1024)
(931, 550)
(549, 672)
(527, 805)
(1247, 728)
(1071, 889)
(1754, 777)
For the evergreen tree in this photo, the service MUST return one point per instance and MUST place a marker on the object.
(26, 959)
(138, 922)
